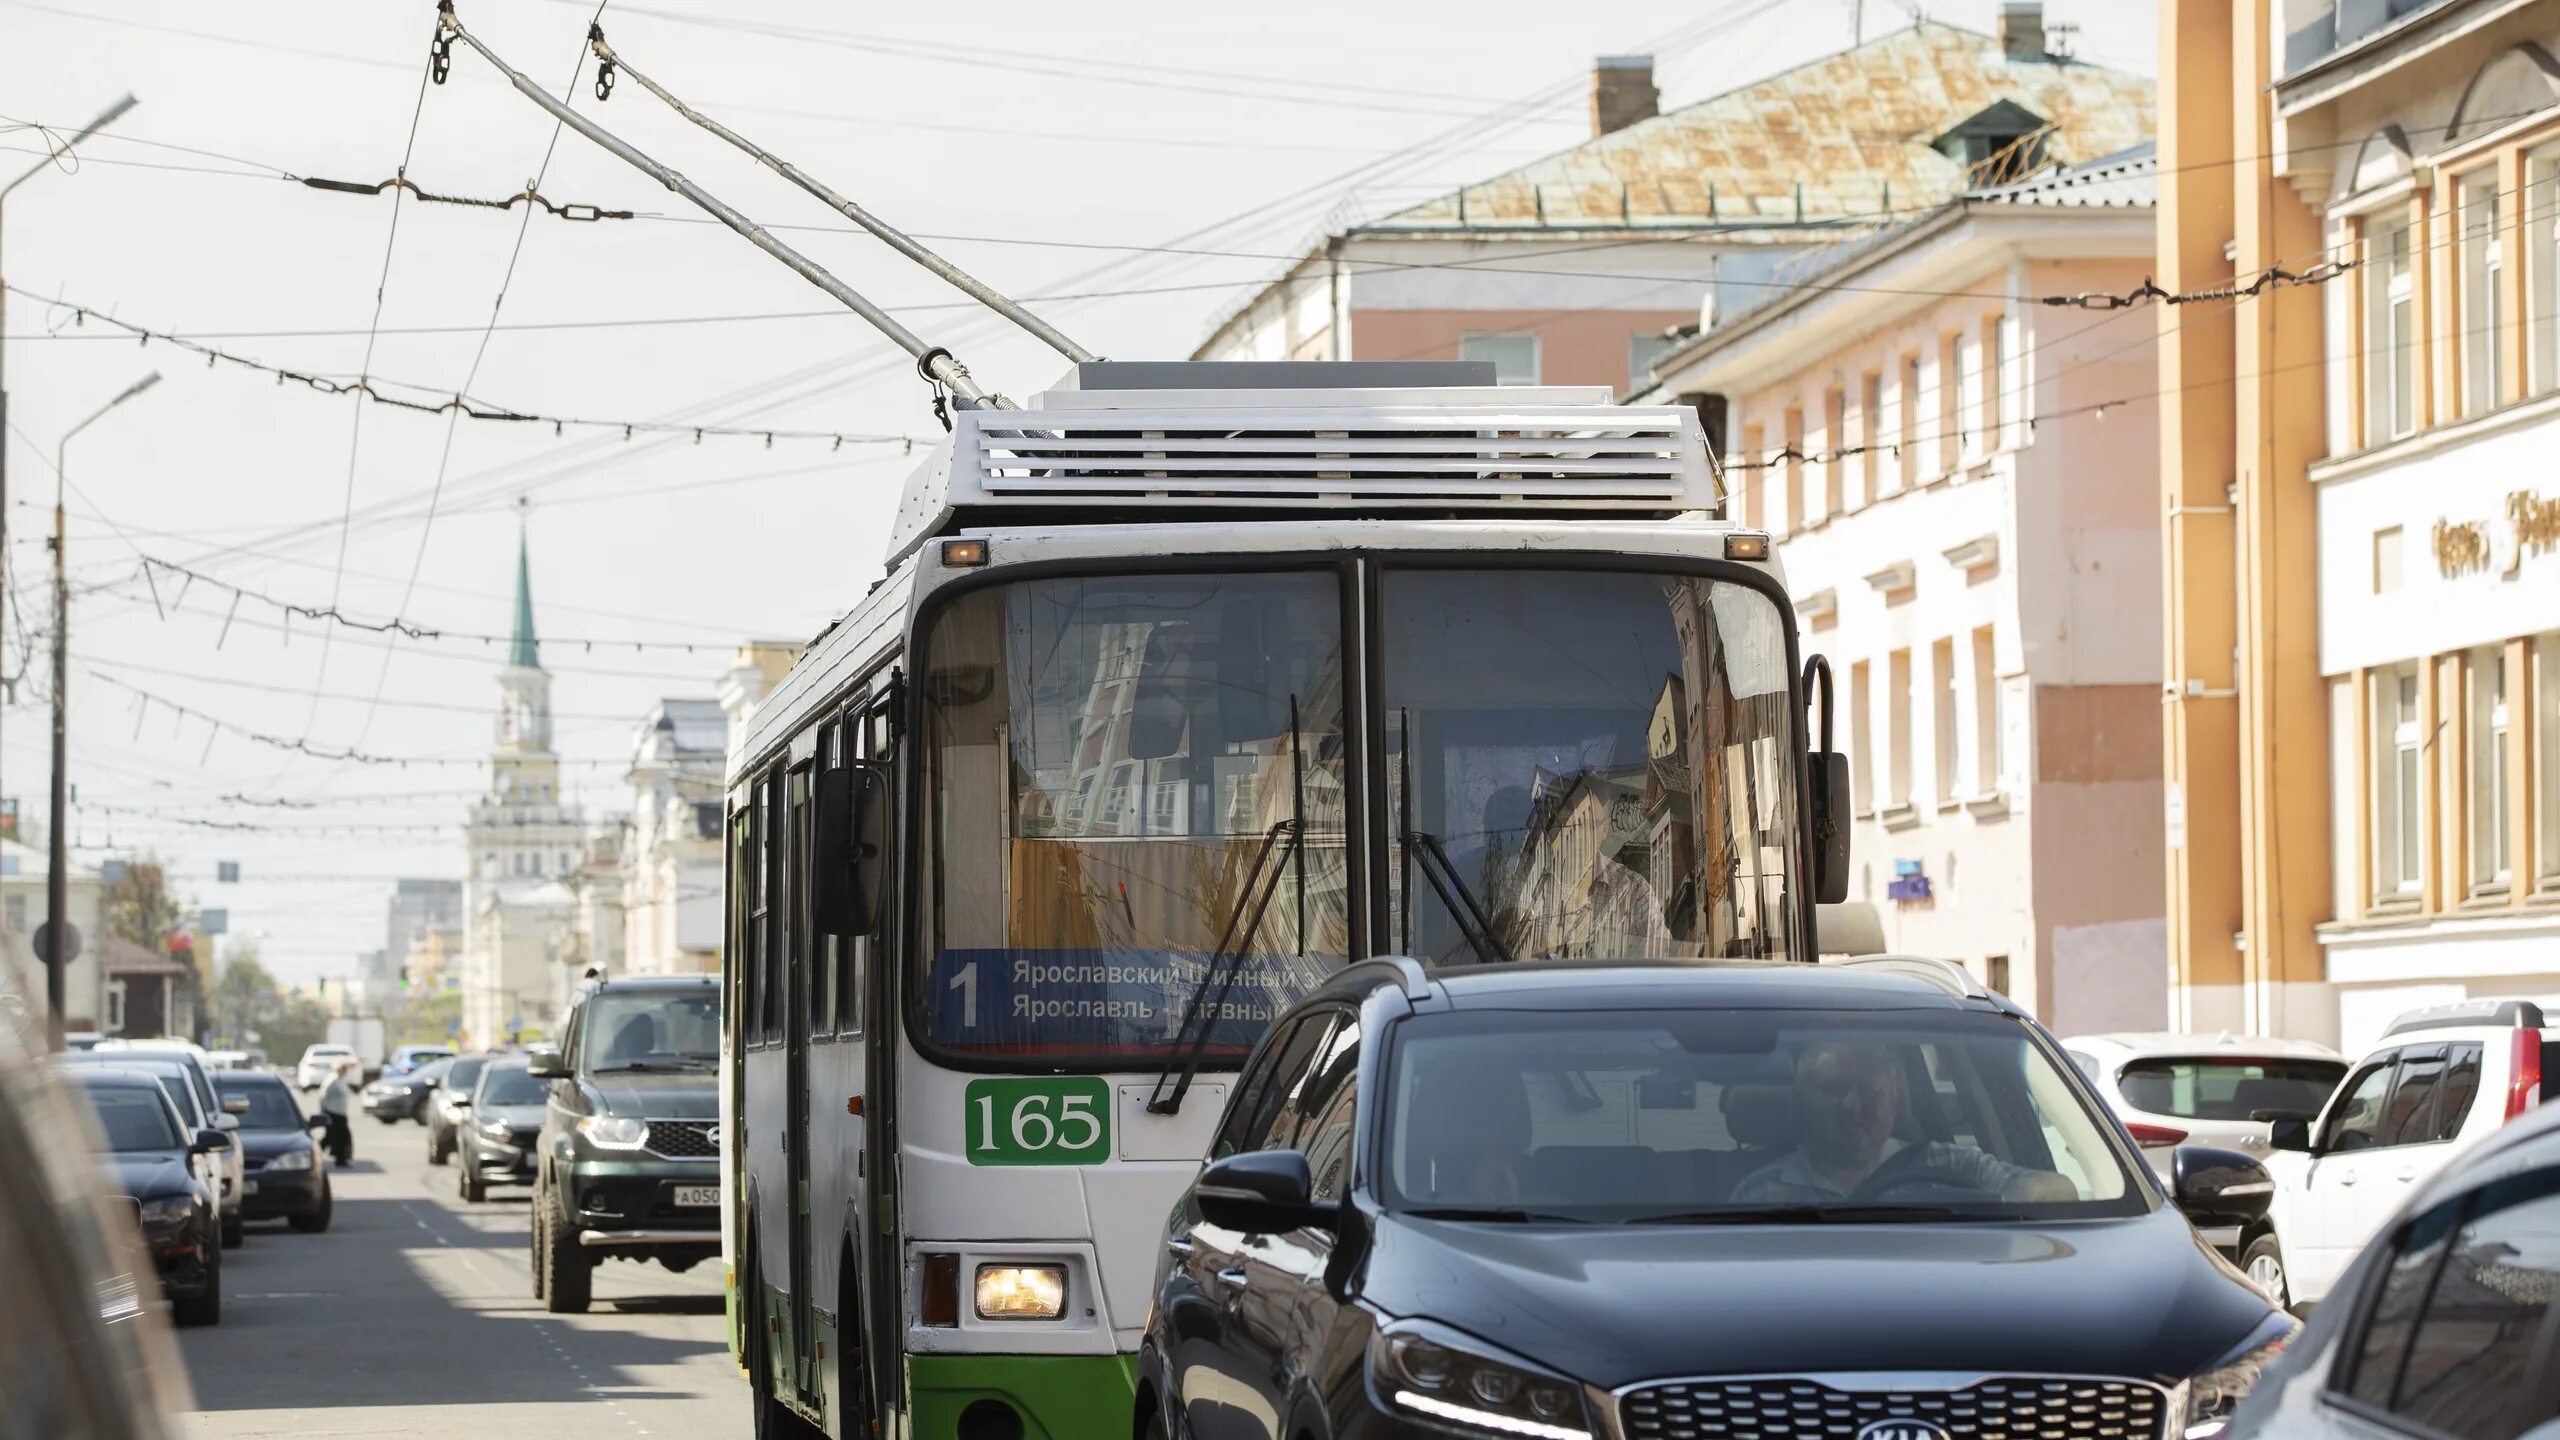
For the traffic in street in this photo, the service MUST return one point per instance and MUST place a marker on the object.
(413, 1318)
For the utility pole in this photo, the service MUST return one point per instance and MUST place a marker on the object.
(57, 880)
(105, 118)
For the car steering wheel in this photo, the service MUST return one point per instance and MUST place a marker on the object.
(1925, 1178)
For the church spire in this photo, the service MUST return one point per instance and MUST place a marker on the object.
(522, 652)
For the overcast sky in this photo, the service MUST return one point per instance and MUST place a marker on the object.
(1045, 147)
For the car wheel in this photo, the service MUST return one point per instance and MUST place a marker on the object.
(235, 1231)
(473, 1190)
(537, 1232)
(204, 1307)
(2263, 1263)
(435, 1152)
(318, 1218)
(567, 1274)
(1158, 1425)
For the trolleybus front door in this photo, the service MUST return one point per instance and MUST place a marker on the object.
(803, 989)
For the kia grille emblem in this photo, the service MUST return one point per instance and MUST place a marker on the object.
(1901, 1430)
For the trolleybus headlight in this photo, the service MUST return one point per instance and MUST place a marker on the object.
(614, 1132)
(1021, 1292)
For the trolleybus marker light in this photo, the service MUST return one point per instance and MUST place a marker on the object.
(1740, 545)
(940, 1303)
(963, 554)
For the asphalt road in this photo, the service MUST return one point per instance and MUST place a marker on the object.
(414, 1316)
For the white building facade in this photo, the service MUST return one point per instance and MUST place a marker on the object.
(2428, 145)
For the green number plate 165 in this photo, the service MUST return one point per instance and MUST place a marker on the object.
(1039, 1121)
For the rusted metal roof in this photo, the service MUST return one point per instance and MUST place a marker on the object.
(1846, 139)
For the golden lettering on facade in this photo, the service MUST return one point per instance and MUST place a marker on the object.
(2461, 548)
(2537, 524)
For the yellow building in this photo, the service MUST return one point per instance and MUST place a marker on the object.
(2362, 535)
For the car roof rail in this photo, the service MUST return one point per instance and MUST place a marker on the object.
(1947, 975)
(1408, 971)
(2520, 1014)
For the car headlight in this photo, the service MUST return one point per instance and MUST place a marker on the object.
(614, 1132)
(167, 1211)
(291, 1160)
(1432, 1373)
(501, 1130)
(1021, 1292)
(2212, 1394)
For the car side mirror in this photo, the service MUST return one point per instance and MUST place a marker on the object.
(316, 1124)
(458, 1102)
(235, 1104)
(852, 849)
(2289, 1132)
(226, 1122)
(1260, 1192)
(209, 1142)
(1828, 774)
(543, 1062)
(2219, 1188)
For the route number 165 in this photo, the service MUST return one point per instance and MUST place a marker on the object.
(1038, 1121)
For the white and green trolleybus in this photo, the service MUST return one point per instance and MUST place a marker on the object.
(1186, 686)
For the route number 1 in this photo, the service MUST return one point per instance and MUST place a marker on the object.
(1042, 1121)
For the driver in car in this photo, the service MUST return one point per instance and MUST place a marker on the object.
(1848, 1096)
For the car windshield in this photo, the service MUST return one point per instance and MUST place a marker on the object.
(509, 1085)
(464, 1074)
(1723, 1116)
(2229, 1087)
(271, 1105)
(651, 1030)
(132, 1118)
(434, 1070)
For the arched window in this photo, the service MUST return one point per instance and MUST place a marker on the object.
(2519, 82)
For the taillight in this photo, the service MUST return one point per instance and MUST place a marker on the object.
(2524, 1077)
(2147, 1135)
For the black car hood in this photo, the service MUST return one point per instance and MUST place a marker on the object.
(268, 1144)
(1616, 1304)
(147, 1174)
(682, 1095)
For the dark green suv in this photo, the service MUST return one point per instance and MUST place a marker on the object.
(628, 1163)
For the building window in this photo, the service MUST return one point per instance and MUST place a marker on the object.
(1898, 729)
(2483, 277)
(1951, 386)
(1990, 384)
(115, 1007)
(2391, 335)
(1862, 780)
(2397, 796)
(2541, 212)
(1835, 467)
(2546, 783)
(1942, 674)
(1514, 355)
(1986, 713)
(1908, 450)
(17, 914)
(1870, 436)
(1755, 482)
(2491, 864)
(1642, 351)
(1794, 470)
(1995, 973)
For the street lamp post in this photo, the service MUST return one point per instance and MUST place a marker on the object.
(105, 118)
(57, 886)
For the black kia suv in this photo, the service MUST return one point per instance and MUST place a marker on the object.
(1561, 1201)
(628, 1163)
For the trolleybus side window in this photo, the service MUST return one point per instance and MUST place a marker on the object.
(1127, 772)
(1587, 763)
(769, 988)
(742, 924)
(802, 955)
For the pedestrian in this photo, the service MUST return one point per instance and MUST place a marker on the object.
(336, 1097)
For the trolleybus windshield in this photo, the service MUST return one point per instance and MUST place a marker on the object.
(1137, 784)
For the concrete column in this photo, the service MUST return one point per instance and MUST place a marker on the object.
(2200, 733)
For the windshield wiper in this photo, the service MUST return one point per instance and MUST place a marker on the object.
(1802, 1215)
(1501, 1213)
(1260, 883)
(649, 1067)
(1460, 901)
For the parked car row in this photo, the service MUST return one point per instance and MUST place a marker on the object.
(199, 1152)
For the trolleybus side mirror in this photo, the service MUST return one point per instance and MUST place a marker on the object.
(1829, 792)
(850, 857)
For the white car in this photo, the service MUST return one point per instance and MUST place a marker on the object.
(2172, 1090)
(317, 1062)
(2440, 1081)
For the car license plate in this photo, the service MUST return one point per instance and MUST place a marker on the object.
(248, 1187)
(704, 1195)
